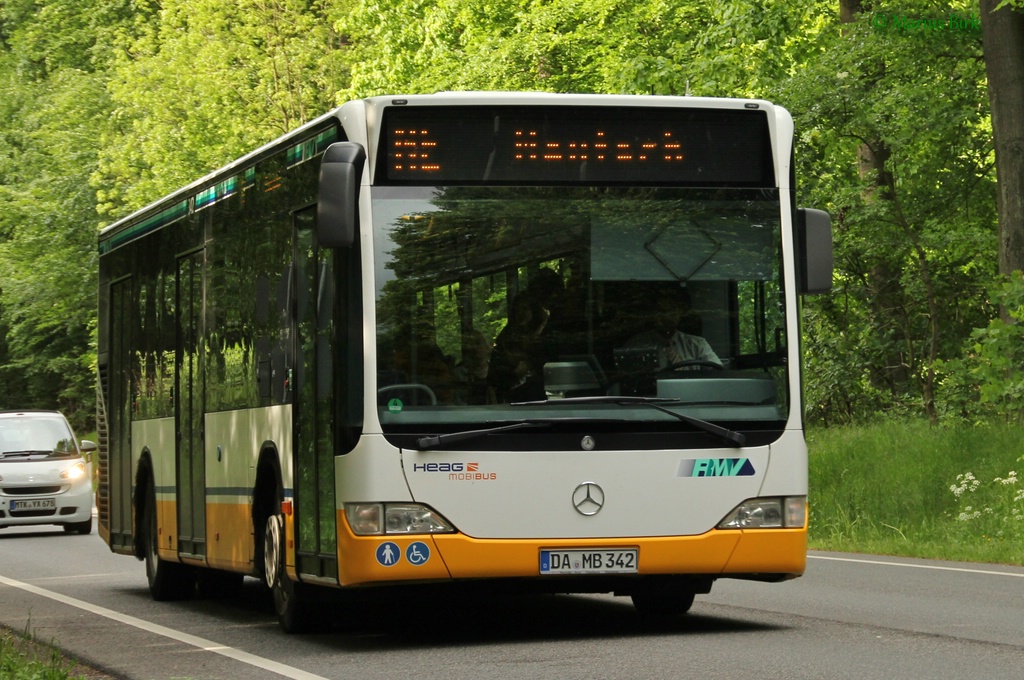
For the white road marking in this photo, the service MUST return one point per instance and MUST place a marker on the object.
(79, 576)
(918, 566)
(201, 643)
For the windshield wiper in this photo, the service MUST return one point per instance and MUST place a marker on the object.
(737, 439)
(432, 441)
(25, 454)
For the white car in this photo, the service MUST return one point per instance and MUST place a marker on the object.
(44, 477)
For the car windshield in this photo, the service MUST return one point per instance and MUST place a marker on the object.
(35, 433)
(494, 303)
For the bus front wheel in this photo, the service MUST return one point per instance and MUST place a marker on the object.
(662, 603)
(291, 601)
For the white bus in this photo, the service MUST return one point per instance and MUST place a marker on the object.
(539, 340)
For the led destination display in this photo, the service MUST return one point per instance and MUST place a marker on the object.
(575, 145)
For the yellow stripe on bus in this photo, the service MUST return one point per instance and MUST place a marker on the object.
(167, 529)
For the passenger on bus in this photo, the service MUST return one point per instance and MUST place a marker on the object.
(471, 371)
(540, 330)
(516, 367)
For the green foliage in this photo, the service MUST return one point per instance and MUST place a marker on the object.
(615, 46)
(995, 355)
(208, 82)
(47, 248)
(895, 140)
(53, 97)
(50, 35)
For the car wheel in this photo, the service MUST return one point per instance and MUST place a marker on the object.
(79, 527)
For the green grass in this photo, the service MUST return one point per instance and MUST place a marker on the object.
(24, 658)
(885, 489)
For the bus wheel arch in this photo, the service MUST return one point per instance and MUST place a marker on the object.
(167, 580)
(143, 475)
(264, 496)
(291, 599)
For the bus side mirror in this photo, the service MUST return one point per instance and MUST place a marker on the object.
(814, 250)
(337, 210)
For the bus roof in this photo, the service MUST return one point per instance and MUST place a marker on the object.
(377, 103)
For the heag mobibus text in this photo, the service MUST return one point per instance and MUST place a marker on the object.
(457, 471)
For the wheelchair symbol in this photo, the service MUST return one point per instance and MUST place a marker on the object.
(417, 553)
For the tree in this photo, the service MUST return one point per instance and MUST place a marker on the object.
(208, 82)
(612, 46)
(53, 99)
(48, 260)
(894, 138)
(907, 177)
(1003, 32)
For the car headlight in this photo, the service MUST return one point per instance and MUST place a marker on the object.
(395, 518)
(788, 512)
(76, 471)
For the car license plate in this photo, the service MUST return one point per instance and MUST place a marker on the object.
(609, 561)
(34, 504)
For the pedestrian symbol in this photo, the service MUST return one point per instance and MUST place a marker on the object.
(388, 554)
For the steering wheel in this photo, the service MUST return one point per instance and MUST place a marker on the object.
(701, 363)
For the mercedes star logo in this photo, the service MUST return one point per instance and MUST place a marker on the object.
(588, 498)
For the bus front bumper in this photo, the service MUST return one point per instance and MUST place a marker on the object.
(763, 554)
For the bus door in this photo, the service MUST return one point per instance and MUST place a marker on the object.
(316, 534)
(119, 415)
(189, 406)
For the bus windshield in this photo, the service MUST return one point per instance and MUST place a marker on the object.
(504, 304)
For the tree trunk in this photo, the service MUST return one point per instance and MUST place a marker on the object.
(888, 298)
(1003, 40)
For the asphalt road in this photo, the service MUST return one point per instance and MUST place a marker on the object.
(850, 616)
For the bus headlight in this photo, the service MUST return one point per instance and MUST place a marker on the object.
(768, 513)
(367, 519)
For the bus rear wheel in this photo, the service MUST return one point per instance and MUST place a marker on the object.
(291, 599)
(167, 580)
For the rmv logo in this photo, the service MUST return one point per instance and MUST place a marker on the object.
(716, 467)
